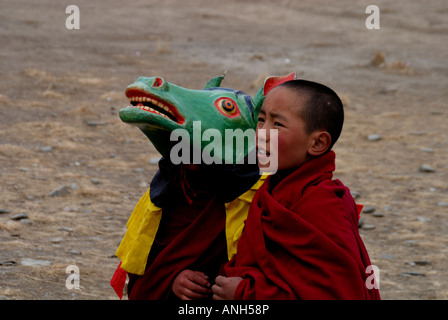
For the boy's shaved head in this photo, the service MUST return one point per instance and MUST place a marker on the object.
(322, 108)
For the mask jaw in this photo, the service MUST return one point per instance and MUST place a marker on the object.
(269, 84)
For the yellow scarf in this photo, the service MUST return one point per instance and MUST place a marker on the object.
(142, 227)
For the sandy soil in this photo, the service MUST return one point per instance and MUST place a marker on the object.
(62, 89)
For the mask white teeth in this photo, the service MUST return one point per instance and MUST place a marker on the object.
(154, 102)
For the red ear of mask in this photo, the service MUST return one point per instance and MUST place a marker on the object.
(273, 82)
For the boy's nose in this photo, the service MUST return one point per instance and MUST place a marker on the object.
(263, 134)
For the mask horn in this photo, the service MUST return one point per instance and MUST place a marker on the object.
(215, 82)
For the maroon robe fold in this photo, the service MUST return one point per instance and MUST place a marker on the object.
(301, 240)
(191, 236)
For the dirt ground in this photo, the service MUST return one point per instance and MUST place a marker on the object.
(61, 89)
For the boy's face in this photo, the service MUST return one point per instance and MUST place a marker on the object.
(279, 111)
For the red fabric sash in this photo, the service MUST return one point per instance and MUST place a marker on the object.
(118, 281)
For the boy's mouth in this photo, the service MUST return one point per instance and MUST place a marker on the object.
(262, 153)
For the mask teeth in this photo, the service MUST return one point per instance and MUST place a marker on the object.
(149, 109)
(154, 102)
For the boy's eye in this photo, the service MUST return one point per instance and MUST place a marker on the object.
(278, 124)
(260, 119)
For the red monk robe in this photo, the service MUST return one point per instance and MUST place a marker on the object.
(202, 214)
(190, 236)
(301, 239)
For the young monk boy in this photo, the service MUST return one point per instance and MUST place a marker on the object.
(301, 238)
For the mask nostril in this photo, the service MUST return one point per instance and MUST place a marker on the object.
(157, 83)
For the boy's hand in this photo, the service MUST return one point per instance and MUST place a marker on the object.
(190, 285)
(225, 287)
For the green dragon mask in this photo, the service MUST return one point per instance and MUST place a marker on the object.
(159, 108)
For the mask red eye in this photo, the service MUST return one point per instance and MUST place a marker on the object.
(227, 107)
(157, 83)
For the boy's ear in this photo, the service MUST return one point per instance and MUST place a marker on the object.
(321, 141)
(268, 84)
